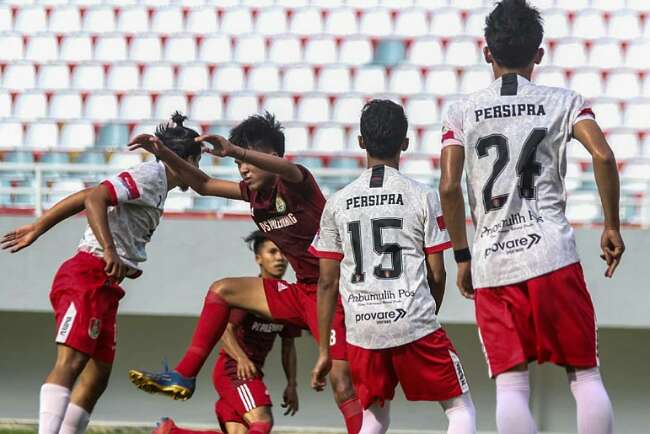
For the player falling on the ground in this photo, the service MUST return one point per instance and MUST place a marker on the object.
(238, 379)
(286, 204)
(123, 212)
(380, 243)
(531, 299)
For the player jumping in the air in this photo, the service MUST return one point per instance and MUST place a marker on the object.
(380, 244)
(286, 203)
(123, 212)
(531, 299)
(244, 400)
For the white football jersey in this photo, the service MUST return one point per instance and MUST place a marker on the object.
(515, 135)
(138, 196)
(381, 227)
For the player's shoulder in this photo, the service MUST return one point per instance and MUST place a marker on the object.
(150, 173)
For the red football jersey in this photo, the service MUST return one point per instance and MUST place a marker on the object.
(289, 215)
(256, 336)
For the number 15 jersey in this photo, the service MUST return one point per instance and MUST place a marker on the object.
(515, 134)
(381, 227)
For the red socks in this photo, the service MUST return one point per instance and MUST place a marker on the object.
(211, 325)
(260, 428)
(177, 430)
(353, 414)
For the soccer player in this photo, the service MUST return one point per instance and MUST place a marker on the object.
(244, 401)
(380, 244)
(123, 212)
(531, 299)
(286, 204)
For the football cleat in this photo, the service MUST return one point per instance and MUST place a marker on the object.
(168, 383)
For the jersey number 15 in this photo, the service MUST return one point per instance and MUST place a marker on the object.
(381, 248)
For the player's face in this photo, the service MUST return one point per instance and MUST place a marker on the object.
(254, 177)
(194, 161)
(271, 260)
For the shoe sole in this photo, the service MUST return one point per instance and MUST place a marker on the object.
(143, 382)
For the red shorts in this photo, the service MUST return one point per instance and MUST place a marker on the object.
(296, 303)
(236, 397)
(85, 307)
(427, 369)
(547, 318)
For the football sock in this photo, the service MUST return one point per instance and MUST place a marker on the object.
(260, 428)
(513, 412)
(352, 414)
(376, 419)
(461, 414)
(53, 404)
(595, 415)
(208, 331)
(177, 430)
(75, 421)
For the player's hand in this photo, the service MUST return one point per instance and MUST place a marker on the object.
(20, 238)
(148, 142)
(320, 371)
(246, 369)
(218, 146)
(115, 269)
(290, 400)
(464, 279)
(612, 246)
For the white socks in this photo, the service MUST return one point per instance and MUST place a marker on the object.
(461, 414)
(513, 412)
(53, 404)
(75, 421)
(376, 419)
(595, 415)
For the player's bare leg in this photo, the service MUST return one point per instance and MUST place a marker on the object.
(345, 395)
(235, 428)
(594, 409)
(260, 420)
(513, 413)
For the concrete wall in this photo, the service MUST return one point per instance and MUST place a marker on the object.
(186, 255)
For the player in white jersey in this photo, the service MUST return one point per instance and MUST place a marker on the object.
(531, 298)
(380, 246)
(123, 212)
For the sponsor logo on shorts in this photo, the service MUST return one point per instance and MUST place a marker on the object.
(94, 327)
(385, 317)
(460, 374)
(513, 246)
(266, 327)
(66, 324)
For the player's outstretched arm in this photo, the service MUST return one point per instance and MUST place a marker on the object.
(437, 277)
(592, 138)
(290, 367)
(198, 180)
(222, 147)
(24, 236)
(328, 292)
(453, 209)
(246, 369)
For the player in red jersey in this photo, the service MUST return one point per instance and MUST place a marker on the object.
(286, 204)
(238, 379)
(123, 212)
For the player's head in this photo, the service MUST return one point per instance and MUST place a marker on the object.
(383, 129)
(513, 33)
(180, 140)
(273, 264)
(260, 133)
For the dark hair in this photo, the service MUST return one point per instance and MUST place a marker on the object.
(255, 240)
(260, 132)
(383, 128)
(513, 32)
(178, 138)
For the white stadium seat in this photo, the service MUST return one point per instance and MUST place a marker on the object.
(569, 53)
(475, 78)
(228, 78)
(250, 49)
(431, 140)
(637, 114)
(99, 19)
(462, 52)
(101, 107)
(623, 83)
(281, 105)
(624, 143)
(296, 139)
(550, 76)
(30, 19)
(299, 79)
(12, 47)
(426, 52)
(5, 104)
(6, 18)
(405, 80)
(334, 79)
(475, 23)
(556, 24)
(54, 76)
(202, 21)
(167, 20)
(135, 106)
(422, 111)
(42, 135)
(411, 23)
(637, 53)
(180, 49)
(264, 78)
(608, 5)
(65, 106)
(110, 48)
(347, 109)
(11, 134)
(237, 21)
(370, 80)
(193, 77)
(77, 135)
(30, 105)
(321, 50)
(625, 24)
(271, 21)
(124, 160)
(123, 77)
(76, 48)
(133, 20)
(446, 23)
(608, 113)
(64, 19)
(168, 103)
(442, 80)
(285, 49)
(306, 21)
(342, 22)
(645, 86)
(240, 106)
(589, 24)
(146, 48)
(606, 53)
(42, 48)
(215, 49)
(206, 107)
(88, 76)
(158, 77)
(329, 138)
(376, 22)
(313, 109)
(588, 82)
(355, 51)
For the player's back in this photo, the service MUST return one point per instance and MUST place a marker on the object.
(515, 135)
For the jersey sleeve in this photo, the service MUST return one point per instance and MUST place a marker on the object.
(452, 127)
(327, 242)
(290, 331)
(130, 185)
(245, 192)
(580, 110)
(436, 238)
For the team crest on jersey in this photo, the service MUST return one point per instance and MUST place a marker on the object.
(94, 327)
(280, 204)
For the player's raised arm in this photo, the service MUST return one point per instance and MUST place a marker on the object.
(290, 367)
(592, 138)
(24, 236)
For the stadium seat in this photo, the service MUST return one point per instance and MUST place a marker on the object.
(441, 80)
(637, 114)
(21, 157)
(637, 53)
(313, 109)
(42, 135)
(12, 47)
(334, 79)
(285, 49)
(5, 104)
(420, 169)
(208, 203)
(550, 76)
(228, 78)
(215, 49)
(625, 24)
(310, 163)
(99, 19)
(347, 109)
(281, 105)
(110, 48)
(363, 4)
(370, 80)
(133, 20)
(606, 53)
(88, 76)
(624, 143)
(588, 82)
(124, 160)
(237, 21)
(462, 52)
(426, 52)
(446, 23)
(306, 21)
(341, 22)
(193, 77)
(475, 78)
(376, 22)
(146, 127)
(167, 20)
(206, 107)
(589, 24)
(405, 80)
(469, 4)
(76, 48)
(60, 190)
(329, 138)
(422, 111)
(77, 135)
(296, 139)
(389, 52)
(113, 135)
(645, 86)
(475, 23)
(42, 48)
(583, 208)
(53, 76)
(623, 83)
(299, 79)
(431, 140)
(65, 106)
(64, 19)
(101, 107)
(180, 49)
(320, 50)
(356, 51)
(572, 177)
(240, 106)
(135, 106)
(635, 178)
(6, 19)
(202, 20)
(264, 78)
(30, 20)
(556, 24)
(271, 21)
(168, 103)
(123, 77)
(608, 113)
(30, 105)
(158, 77)
(569, 53)
(11, 134)
(250, 49)
(411, 23)
(145, 48)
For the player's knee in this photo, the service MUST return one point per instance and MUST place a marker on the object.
(71, 362)
(341, 386)
(222, 288)
(260, 415)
